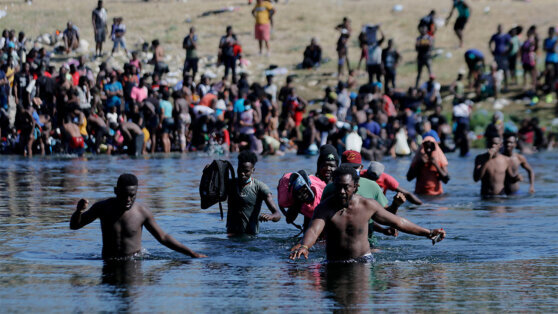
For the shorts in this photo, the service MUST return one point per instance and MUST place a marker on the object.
(460, 23)
(364, 53)
(421, 62)
(262, 31)
(365, 259)
(528, 67)
(76, 142)
(77, 146)
(168, 125)
(152, 123)
(100, 35)
(502, 62)
(341, 61)
(191, 65)
(137, 149)
(119, 41)
(374, 69)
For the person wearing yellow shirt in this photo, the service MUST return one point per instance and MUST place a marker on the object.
(263, 12)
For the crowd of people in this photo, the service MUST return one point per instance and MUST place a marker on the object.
(342, 203)
(76, 109)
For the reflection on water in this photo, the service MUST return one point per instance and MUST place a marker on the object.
(500, 254)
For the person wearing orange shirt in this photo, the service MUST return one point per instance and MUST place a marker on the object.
(429, 167)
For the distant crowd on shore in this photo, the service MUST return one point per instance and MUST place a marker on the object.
(75, 109)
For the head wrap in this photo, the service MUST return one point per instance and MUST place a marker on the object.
(436, 153)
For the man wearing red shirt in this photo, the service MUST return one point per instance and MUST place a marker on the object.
(375, 172)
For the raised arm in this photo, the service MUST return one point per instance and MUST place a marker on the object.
(275, 214)
(81, 218)
(164, 238)
(480, 167)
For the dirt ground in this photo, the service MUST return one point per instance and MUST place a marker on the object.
(295, 23)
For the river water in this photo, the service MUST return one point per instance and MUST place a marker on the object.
(499, 254)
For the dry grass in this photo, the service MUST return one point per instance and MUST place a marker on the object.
(295, 23)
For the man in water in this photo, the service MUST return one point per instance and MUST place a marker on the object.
(375, 172)
(492, 168)
(368, 189)
(246, 197)
(510, 142)
(344, 217)
(122, 222)
(328, 160)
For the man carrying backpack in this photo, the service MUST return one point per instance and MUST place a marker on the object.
(244, 194)
(243, 214)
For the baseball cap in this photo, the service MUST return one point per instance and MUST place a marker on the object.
(351, 158)
(375, 170)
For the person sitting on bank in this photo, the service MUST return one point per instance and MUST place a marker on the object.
(246, 197)
(344, 218)
(312, 55)
(429, 167)
(122, 222)
(70, 37)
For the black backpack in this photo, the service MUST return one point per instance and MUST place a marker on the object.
(215, 179)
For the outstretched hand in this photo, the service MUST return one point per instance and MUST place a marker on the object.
(437, 235)
(297, 251)
(199, 255)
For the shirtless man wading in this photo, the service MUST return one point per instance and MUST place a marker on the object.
(122, 221)
(493, 169)
(510, 142)
(345, 215)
